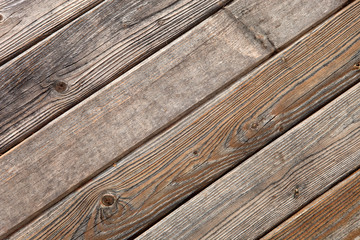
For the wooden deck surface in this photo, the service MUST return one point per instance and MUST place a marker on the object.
(179, 119)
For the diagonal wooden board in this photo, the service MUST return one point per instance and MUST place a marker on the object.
(154, 179)
(84, 56)
(23, 23)
(273, 21)
(275, 182)
(334, 215)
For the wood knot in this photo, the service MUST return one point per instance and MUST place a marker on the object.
(108, 200)
(60, 87)
(254, 125)
(357, 66)
(281, 128)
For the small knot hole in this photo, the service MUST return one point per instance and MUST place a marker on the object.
(60, 87)
(108, 200)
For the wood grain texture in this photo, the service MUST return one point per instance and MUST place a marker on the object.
(334, 215)
(121, 115)
(155, 178)
(24, 23)
(273, 21)
(275, 182)
(84, 56)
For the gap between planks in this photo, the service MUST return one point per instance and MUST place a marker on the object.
(21, 27)
(338, 80)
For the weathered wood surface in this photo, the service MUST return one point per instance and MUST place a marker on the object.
(78, 60)
(84, 56)
(121, 115)
(274, 183)
(273, 21)
(334, 215)
(155, 178)
(23, 23)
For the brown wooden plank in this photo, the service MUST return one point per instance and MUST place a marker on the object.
(23, 23)
(334, 215)
(273, 21)
(275, 182)
(155, 178)
(121, 115)
(84, 56)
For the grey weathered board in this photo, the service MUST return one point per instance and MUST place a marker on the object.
(82, 57)
(23, 23)
(120, 116)
(273, 21)
(152, 180)
(334, 215)
(275, 182)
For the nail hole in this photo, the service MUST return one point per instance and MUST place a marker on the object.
(1, 18)
(254, 125)
(296, 193)
(195, 152)
(357, 66)
(60, 87)
(108, 200)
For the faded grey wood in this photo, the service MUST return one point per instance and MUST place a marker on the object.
(84, 56)
(151, 181)
(276, 22)
(23, 23)
(334, 215)
(274, 183)
(107, 125)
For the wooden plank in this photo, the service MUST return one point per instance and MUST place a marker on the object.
(275, 182)
(273, 21)
(334, 215)
(155, 178)
(23, 23)
(84, 56)
(121, 115)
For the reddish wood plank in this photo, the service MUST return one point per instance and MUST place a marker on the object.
(334, 215)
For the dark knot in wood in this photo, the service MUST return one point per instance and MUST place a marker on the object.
(108, 200)
(60, 87)
(254, 125)
(357, 66)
